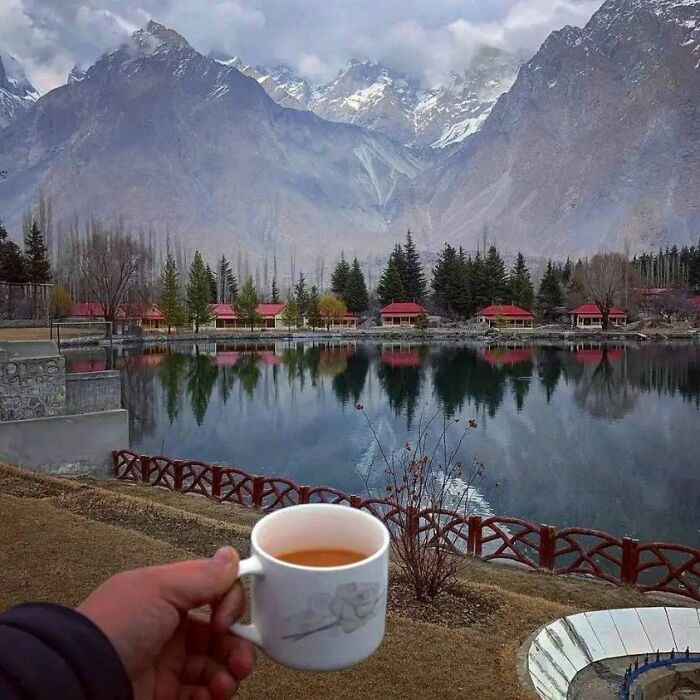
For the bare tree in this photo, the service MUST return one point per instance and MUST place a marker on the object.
(606, 278)
(427, 481)
(111, 262)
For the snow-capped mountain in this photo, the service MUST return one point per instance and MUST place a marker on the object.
(76, 75)
(370, 95)
(16, 92)
(596, 145)
(165, 137)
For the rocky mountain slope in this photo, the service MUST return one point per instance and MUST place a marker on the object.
(16, 92)
(164, 137)
(596, 145)
(370, 95)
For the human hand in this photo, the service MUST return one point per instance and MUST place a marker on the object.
(168, 652)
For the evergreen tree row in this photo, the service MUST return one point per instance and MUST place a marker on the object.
(29, 266)
(462, 284)
(403, 278)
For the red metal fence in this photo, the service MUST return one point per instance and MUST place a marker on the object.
(651, 566)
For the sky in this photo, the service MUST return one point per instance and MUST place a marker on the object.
(425, 38)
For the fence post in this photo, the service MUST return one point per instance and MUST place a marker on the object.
(629, 567)
(548, 537)
(215, 482)
(177, 475)
(145, 468)
(258, 485)
(356, 502)
(474, 544)
(303, 494)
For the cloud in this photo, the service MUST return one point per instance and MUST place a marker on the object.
(317, 37)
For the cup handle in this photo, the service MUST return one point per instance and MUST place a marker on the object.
(252, 566)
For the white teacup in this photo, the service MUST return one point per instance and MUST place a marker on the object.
(317, 618)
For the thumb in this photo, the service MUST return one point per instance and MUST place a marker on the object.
(189, 584)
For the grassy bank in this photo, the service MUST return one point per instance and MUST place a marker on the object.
(59, 538)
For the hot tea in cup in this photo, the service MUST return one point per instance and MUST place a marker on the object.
(319, 584)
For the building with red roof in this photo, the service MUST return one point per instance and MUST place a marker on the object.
(506, 315)
(590, 316)
(87, 309)
(402, 313)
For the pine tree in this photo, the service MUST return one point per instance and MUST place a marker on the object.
(313, 314)
(549, 297)
(198, 293)
(275, 291)
(414, 283)
(213, 287)
(520, 288)
(36, 261)
(450, 282)
(481, 296)
(339, 278)
(247, 305)
(400, 262)
(355, 297)
(11, 259)
(170, 301)
(290, 312)
(390, 287)
(227, 287)
(301, 295)
(495, 276)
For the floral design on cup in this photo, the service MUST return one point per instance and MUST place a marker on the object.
(352, 606)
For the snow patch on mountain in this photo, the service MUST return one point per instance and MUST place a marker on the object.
(17, 94)
(370, 95)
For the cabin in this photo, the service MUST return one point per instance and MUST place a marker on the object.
(589, 316)
(506, 315)
(402, 313)
(271, 315)
(343, 322)
(152, 318)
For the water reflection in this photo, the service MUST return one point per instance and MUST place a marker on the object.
(563, 428)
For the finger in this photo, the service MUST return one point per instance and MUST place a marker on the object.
(198, 634)
(241, 658)
(228, 609)
(189, 584)
(222, 685)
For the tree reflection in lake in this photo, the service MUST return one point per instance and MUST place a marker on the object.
(400, 373)
(603, 390)
(575, 434)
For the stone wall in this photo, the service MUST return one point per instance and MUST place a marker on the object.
(32, 387)
(87, 392)
(65, 444)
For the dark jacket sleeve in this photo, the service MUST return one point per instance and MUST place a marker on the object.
(48, 651)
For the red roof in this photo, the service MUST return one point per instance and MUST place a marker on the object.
(153, 314)
(87, 309)
(594, 310)
(507, 310)
(401, 358)
(404, 307)
(507, 356)
(269, 309)
(695, 301)
(223, 312)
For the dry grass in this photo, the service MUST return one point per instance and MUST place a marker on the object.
(39, 333)
(60, 538)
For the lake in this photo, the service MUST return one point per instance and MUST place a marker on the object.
(606, 437)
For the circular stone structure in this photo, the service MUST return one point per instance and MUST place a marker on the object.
(586, 655)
